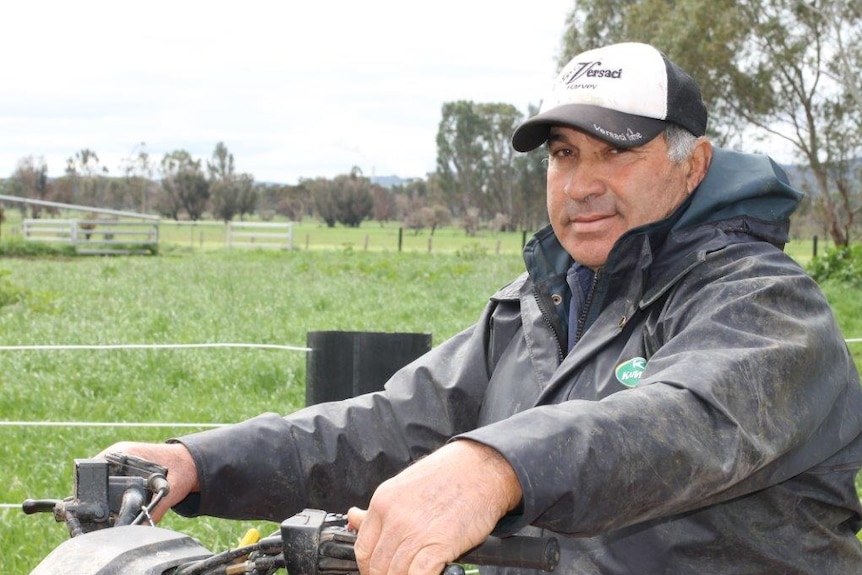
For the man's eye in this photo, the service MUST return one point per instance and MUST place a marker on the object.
(562, 158)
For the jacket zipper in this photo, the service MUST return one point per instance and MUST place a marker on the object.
(582, 317)
(546, 317)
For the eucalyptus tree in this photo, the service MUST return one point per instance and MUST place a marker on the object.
(247, 194)
(184, 184)
(475, 160)
(530, 180)
(501, 193)
(346, 199)
(84, 180)
(353, 198)
(30, 180)
(138, 171)
(224, 189)
(323, 193)
(462, 163)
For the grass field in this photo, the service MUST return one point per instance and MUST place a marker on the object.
(212, 296)
(190, 295)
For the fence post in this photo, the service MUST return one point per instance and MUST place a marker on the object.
(815, 246)
(344, 364)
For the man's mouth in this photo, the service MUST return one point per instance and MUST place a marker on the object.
(585, 223)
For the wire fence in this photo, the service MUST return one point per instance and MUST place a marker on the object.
(130, 424)
(131, 346)
(153, 346)
(150, 424)
(155, 424)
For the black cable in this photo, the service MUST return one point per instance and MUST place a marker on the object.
(267, 545)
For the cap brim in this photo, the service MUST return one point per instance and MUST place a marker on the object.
(617, 128)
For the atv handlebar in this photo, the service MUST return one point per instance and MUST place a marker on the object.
(121, 490)
(316, 542)
(118, 490)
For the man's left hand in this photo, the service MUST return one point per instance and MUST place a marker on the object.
(434, 511)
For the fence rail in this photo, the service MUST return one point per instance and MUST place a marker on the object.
(260, 235)
(92, 236)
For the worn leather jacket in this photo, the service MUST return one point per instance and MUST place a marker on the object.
(709, 420)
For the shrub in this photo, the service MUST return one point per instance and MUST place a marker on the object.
(9, 292)
(17, 247)
(472, 252)
(842, 264)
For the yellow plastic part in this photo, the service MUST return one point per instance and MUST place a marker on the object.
(251, 536)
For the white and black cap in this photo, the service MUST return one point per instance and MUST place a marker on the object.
(624, 94)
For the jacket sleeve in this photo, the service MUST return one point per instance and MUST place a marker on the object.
(748, 383)
(332, 456)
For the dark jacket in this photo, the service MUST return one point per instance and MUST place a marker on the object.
(709, 420)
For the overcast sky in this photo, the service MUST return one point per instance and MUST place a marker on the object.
(294, 89)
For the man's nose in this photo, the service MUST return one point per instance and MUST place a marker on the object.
(583, 181)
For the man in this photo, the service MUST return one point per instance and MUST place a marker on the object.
(663, 389)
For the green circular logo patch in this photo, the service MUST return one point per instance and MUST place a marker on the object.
(629, 372)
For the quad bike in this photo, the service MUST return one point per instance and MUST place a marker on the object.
(112, 532)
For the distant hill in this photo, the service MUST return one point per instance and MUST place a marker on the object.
(802, 178)
(388, 182)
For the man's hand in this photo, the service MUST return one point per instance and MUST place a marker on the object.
(182, 471)
(434, 511)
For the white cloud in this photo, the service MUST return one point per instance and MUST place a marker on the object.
(293, 89)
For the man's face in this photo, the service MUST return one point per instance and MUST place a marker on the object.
(597, 192)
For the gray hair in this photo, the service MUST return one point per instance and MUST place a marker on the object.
(680, 143)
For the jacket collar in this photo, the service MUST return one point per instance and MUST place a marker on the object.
(743, 193)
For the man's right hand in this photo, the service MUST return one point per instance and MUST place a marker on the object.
(182, 471)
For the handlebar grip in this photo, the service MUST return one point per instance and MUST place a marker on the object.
(516, 551)
(31, 506)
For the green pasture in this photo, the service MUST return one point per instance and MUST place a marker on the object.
(211, 295)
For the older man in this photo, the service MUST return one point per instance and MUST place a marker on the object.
(664, 389)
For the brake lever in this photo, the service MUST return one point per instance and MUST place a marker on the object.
(156, 482)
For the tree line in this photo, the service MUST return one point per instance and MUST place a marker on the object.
(479, 182)
(773, 72)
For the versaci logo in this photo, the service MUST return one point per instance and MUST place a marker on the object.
(629, 372)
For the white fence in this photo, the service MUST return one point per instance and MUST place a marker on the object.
(91, 236)
(260, 235)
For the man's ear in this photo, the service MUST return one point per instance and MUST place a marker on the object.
(698, 163)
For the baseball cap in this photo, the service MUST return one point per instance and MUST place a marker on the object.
(624, 94)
